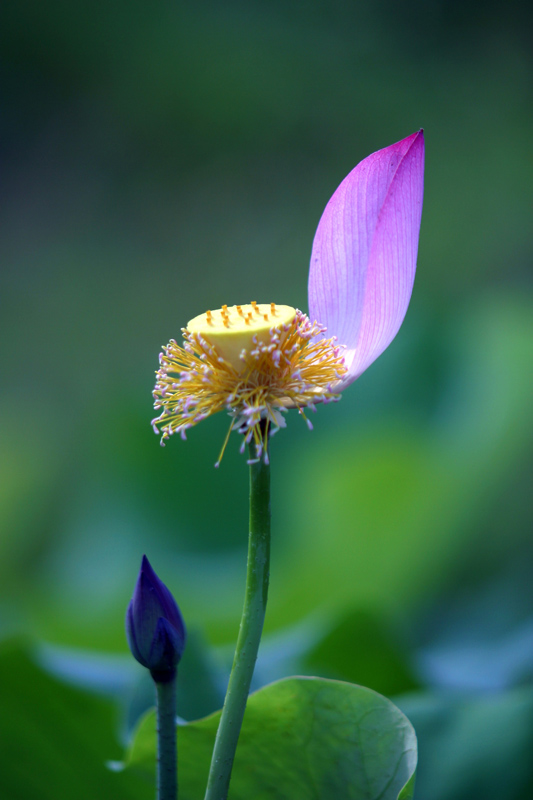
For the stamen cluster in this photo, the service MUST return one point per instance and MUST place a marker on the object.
(294, 368)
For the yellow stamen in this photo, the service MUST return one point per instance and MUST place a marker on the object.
(240, 362)
(224, 445)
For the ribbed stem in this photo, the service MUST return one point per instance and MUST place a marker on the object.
(167, 750)
(250, 630)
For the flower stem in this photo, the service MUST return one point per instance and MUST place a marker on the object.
(250, 630)
(167, 750)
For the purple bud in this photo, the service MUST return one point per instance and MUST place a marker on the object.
(154, 625)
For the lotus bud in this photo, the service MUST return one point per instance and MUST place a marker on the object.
(154, 626)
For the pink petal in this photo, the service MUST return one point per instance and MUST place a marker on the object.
(364, 253)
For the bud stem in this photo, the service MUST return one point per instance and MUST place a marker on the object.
(167, 751)
(250, 630)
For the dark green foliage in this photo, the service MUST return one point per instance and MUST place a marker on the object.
(55, 740)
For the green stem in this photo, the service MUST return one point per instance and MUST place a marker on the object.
(167, 750)
(250, 630)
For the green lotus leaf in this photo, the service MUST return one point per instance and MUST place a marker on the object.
(302, 739)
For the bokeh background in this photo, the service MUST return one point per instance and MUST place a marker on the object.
(162, 158)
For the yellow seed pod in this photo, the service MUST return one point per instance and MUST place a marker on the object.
(232, 329)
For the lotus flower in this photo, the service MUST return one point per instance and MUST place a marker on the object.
(258, 360)
(154, 626)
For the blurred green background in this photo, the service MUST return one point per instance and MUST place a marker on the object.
(164, 158)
